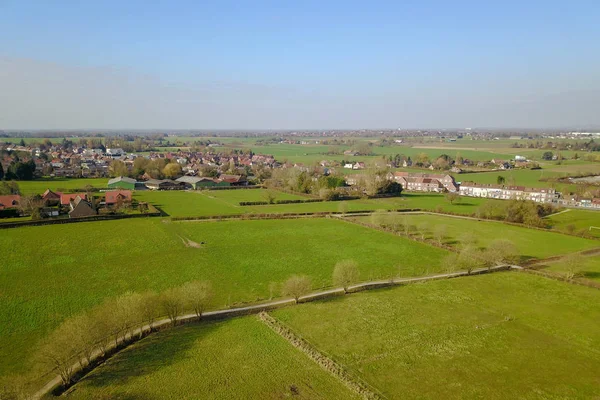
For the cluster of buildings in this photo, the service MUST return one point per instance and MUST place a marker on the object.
(182, 183)
(75, 205)
(442, 183)
(79, 161)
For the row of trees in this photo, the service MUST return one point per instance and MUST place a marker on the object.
(117, 320)
(519, 211)
(471, 257)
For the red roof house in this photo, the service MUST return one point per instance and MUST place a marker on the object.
(66, 198)
(114, 196)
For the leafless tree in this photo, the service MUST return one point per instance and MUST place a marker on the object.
(345, 273)
(296, 286)
(172, 303)
(197, 296)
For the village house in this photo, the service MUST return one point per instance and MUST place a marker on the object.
(51, 198)
(80, 208)
(117, 197)
(10, 201)
(502, 192)
(426, 182)
(67, 198)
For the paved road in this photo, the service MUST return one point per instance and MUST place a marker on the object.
(256, 308)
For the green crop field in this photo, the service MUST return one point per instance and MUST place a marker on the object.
(531, 243)
(76, 266)
(500, 336)
(191, 363)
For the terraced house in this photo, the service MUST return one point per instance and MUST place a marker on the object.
(502, 192)
(426, 182)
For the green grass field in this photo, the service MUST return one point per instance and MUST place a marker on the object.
(501, 336)
(39, 186)
(190, 363)
(576, 220)
(531, 243)
(226, 202)
(589, 269)
(76, 266)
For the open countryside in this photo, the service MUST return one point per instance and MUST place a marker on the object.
(302, 200)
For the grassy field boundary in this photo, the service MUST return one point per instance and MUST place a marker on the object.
(41, 222)
(98, 357)
(316, 214)
(353, 383)
(560, 277)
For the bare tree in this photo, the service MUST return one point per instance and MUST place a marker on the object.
(499, 252)
(379, 218)
(296, 286)
(172, 303)
(439, 233)
(470, 258)
(573, 263)
(423, 229)
(468, 239)
(345, 273)
(149, 310)
(272, 289)
(450, 263)
(343, 207)
(59, 350)
(197, 296)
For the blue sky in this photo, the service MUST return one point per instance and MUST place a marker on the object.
(305, 64)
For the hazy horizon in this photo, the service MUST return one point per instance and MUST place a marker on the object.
(310, 66)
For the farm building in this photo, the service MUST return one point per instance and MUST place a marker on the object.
(164, 184)
(234, 180)
(122, 182)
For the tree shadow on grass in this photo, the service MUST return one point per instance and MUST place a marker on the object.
(151, 354)
(591, 275)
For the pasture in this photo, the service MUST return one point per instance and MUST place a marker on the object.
(575, 220)
(588, 269)
(190, 362)
(531, 243)
(39, 186)
(75, 266)
(497, 336)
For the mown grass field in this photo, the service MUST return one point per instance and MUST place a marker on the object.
(589, 268)
(237, 359)
(39, 186)
(531, 243)
(51, 272)
(500, 336)
(579, 219)
(226, 202)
